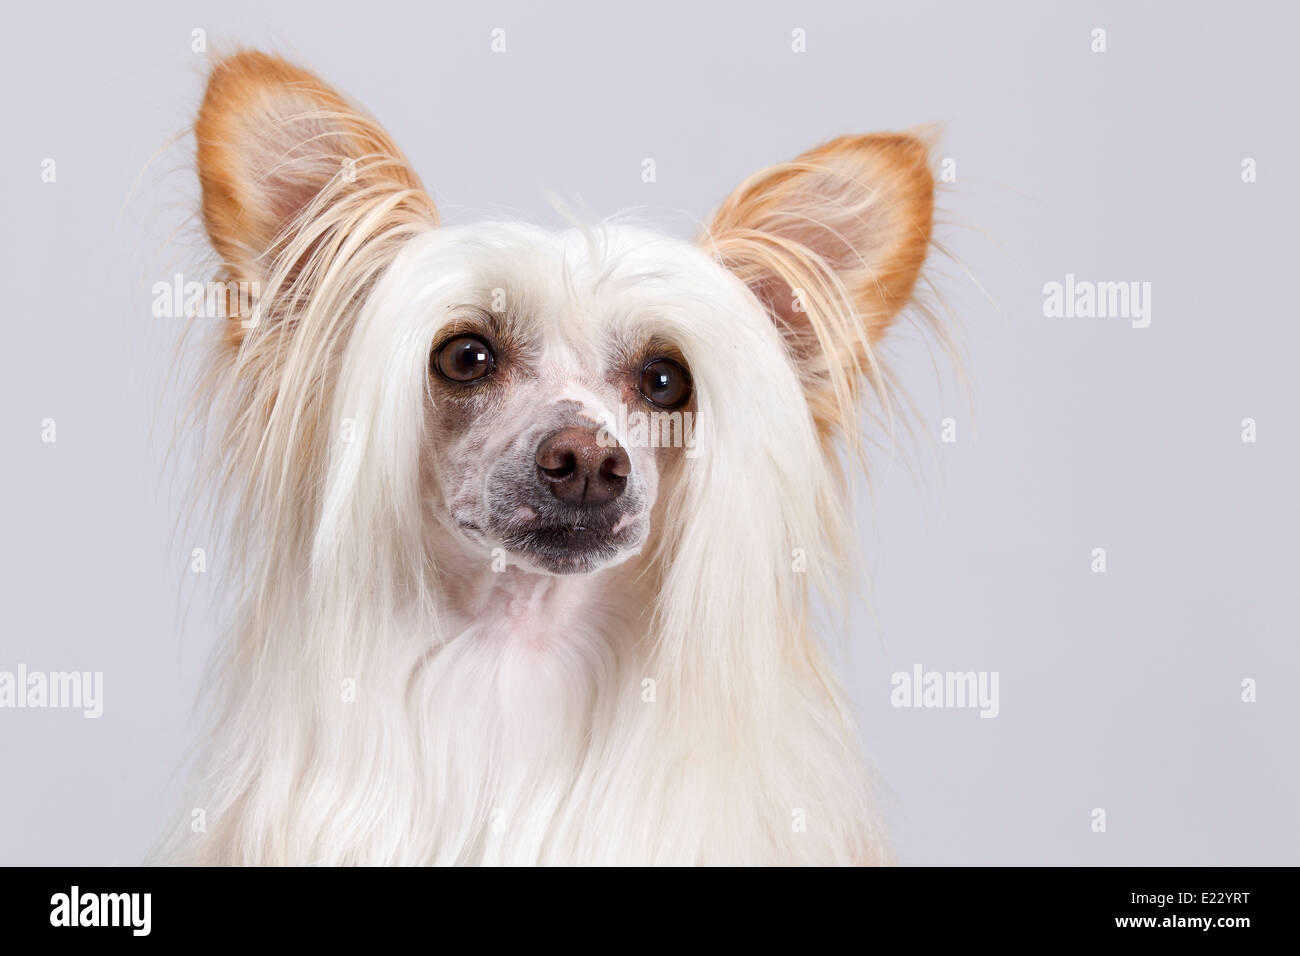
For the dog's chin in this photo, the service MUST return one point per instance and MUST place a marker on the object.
(572, 549)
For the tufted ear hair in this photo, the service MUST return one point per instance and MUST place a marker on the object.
(293, 176)
(831, 243)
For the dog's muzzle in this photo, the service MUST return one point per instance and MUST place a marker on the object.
(573, 506)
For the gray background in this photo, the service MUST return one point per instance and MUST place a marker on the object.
(1118, 691)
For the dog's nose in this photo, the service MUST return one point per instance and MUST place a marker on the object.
(579, 470)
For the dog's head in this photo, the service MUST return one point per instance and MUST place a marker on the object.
(553, 400)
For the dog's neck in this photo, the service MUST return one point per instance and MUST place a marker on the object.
(544, 610)
(530, 607)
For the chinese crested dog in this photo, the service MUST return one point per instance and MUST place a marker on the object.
(529, 525)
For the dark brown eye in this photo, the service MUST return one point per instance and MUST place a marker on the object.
(463, 359)
(665, 383)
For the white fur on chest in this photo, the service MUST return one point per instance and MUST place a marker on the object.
(509, 718)
(544, 732)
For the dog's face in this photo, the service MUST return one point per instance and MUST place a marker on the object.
(524, 447)
(548, 398)
(560, 399)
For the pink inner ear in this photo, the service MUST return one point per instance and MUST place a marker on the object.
(270, 138)
(780, 300)
(294, 148)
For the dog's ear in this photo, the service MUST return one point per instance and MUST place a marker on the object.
(832, 244)
(289, 169)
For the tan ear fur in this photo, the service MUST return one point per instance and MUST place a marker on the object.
(278, 148)
(832, 244)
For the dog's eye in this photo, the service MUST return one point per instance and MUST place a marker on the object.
(665, 383)
(465, 358)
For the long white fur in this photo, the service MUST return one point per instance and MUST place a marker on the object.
(387, 697)
(525, 736)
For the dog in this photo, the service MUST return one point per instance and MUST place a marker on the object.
(529, 526)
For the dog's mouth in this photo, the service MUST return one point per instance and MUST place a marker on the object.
(576, 545)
